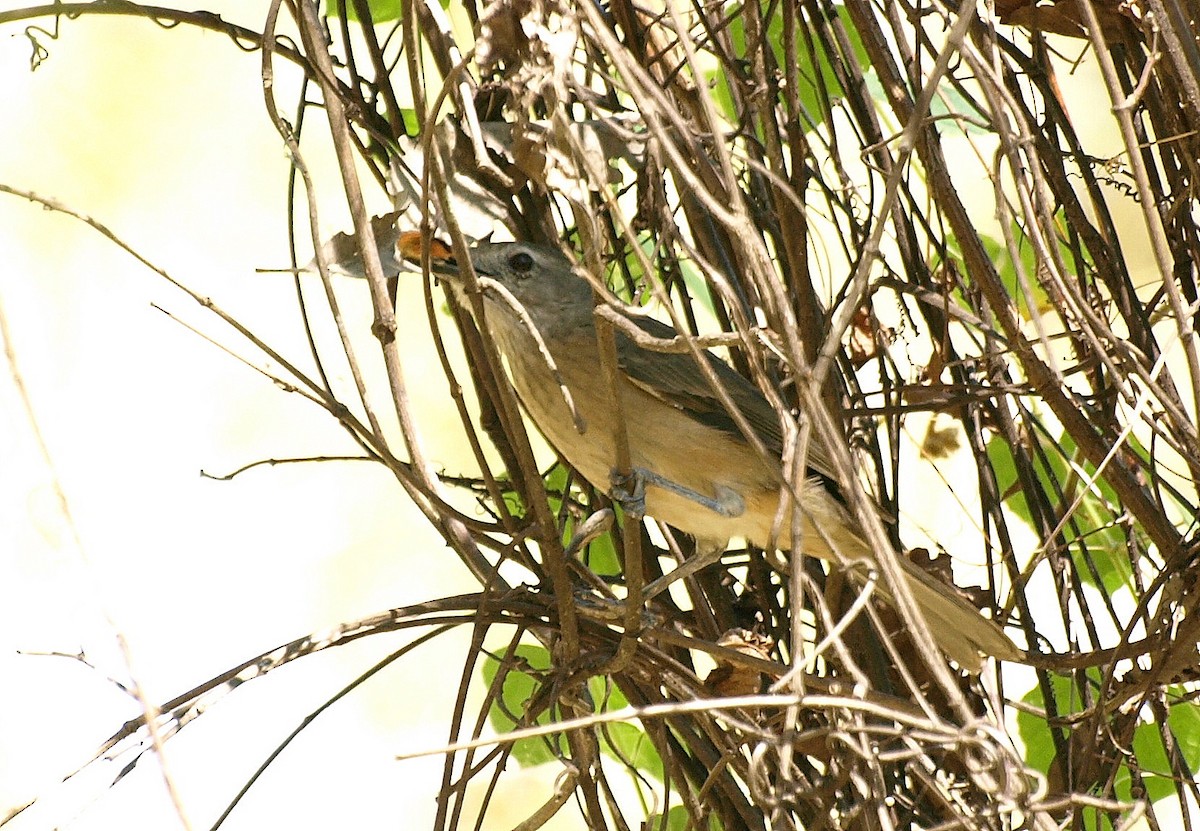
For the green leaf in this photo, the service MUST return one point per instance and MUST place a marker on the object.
(519, 688)
(1151, 760)
(1096, 508)
(696, 285)
(412, 126)
(814, 64)
(1183, 720)
(1002, 464)
(678, 819)
(948, 101)
(723, 95)
(600, 555)
(998, 252)
(1185, 723)
(952, 102)
(1032, 728)
(1148, 755)
(1006, 270)
(627, 743)
(382, 11)
(692, 278)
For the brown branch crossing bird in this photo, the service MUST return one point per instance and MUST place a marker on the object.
(692, 466)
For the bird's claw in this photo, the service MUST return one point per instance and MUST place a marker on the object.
(629, 491)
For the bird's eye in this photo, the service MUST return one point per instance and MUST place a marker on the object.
(521, 263)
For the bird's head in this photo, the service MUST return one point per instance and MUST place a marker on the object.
(538, 277)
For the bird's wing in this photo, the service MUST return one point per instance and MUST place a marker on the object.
(676, 379)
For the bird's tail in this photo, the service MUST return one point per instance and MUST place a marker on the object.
(957, 626)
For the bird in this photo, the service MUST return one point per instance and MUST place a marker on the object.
(693, 467)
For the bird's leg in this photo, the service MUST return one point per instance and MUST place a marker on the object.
(708, 552)
(630, 492)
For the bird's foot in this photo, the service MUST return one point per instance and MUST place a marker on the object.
(630, 492)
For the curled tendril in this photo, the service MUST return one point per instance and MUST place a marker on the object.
(39, 53)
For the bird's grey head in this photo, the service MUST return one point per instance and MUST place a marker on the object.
(538, 277)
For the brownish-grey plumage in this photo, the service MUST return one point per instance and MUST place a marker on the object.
(701, 474)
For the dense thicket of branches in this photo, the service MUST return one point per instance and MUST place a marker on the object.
(783, 169)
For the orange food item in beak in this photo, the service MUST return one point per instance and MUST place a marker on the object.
(409, 246)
